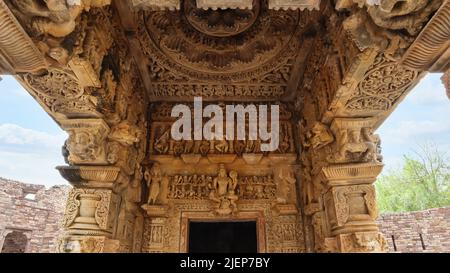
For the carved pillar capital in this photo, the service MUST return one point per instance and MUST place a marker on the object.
(355, 141)
(86, 143)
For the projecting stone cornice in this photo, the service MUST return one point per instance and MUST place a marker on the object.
(431, 50)
(17, 51)
(227, 4)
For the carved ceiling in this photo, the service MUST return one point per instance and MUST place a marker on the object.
(225, 54)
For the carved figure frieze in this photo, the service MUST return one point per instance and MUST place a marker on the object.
(161, 143)
(199, 187)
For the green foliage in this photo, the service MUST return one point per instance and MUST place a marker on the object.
(422, 183)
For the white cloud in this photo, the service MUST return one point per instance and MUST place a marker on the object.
(30, 156)
(12, 134)
(411, 129)
(430, 90)
(34, 167)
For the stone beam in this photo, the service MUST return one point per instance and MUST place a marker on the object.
(431, 50)
(18, 54)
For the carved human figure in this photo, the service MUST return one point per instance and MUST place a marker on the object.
(286, 180)
(222, 146)
(81, 146)
(153, 177)
(320, 136)
(372, 142)
(221, 182)
(223, 191)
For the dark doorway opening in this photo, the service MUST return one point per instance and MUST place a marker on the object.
(223, 237)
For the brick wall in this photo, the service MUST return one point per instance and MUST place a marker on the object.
(39, 219)
(421, 231)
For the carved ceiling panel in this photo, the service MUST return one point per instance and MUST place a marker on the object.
(221, 54)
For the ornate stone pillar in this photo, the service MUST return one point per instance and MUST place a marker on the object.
(96, 206)
(91, 211)
(350, 208)
(339, 195)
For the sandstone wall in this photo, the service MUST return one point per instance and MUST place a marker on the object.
(39, 219)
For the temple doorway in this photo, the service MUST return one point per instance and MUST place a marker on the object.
(223, 237)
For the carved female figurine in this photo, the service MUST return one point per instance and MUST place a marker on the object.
(153, 179)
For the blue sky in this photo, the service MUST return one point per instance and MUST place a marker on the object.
(30, 141)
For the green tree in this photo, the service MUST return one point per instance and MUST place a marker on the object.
(422, 183)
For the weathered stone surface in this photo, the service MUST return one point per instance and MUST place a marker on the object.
(110, 74)
(37, 222)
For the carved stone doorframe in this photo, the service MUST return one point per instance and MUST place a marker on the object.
(257, 216)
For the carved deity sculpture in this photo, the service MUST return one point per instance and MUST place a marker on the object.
(223, 191)
(285, 183)
(154, 179)
(82, 146)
